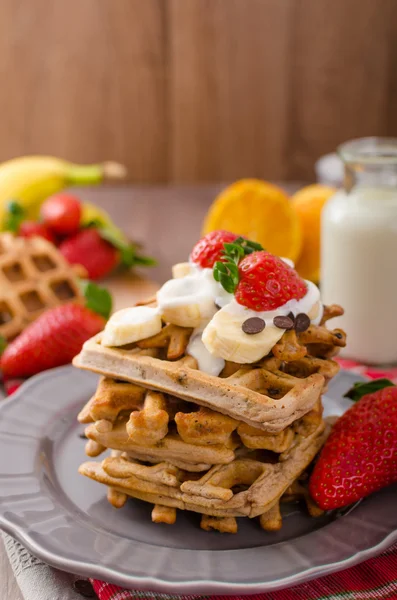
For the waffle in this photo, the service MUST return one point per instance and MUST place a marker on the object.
(269, 395)
(248, 486)
(34, 276)
(130, 418)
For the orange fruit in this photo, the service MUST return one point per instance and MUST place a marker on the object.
(260, 211)
(308, 204)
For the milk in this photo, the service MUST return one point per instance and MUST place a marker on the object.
(359, 270)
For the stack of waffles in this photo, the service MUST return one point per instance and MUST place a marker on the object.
(229, 445)
(34, 276)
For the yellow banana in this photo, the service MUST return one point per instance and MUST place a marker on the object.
(29, 180)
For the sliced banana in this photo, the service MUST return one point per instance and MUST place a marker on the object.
(224, 337)
(189, 301)
(181, 270)
(131, 325)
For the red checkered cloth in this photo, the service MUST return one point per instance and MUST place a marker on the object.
(373, 579)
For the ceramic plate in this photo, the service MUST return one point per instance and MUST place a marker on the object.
(65, 519)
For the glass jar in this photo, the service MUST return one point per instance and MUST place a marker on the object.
(359, 250)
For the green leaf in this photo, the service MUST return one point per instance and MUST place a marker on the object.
(15, 214)
(226, 270)
(369, 387)
(3, 344)
(144, 261)
(97, 299)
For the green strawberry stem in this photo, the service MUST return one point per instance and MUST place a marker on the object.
(226, 270)
(15, 214)
(3, 344)
(128, 251)
(97, 299)
(369, 387)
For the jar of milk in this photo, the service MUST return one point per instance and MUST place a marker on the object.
(359, 250)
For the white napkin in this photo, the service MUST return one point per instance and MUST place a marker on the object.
(37, 580)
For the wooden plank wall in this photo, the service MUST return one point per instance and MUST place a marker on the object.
(196, 90)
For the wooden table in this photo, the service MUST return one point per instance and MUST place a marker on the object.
(167, 220)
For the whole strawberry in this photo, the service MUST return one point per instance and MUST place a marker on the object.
(360, 455)
(210, 248)
(52, 340)
(267, 282)
(89, 249)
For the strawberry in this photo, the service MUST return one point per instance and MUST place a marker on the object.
(89, 249)
(29, 229)
(360, 455)
(267, 282)
(62, 213)
(50, 341)
(210, 248)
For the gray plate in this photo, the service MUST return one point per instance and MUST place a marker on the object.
(65, 519)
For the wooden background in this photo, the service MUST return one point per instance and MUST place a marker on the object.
(196, 90)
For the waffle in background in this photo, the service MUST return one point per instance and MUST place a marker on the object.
(34, 277)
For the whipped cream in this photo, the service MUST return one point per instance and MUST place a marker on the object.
(207, 363)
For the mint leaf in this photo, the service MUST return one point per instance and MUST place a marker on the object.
(3, 344)
(225, 271)
(369, 387)
(15, 214)
(97, 299)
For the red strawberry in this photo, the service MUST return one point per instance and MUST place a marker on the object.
(52, 340)
(267, 282)
(61, 213)
(29, 229)
(87, 248)
(209, 249)
(360, 455)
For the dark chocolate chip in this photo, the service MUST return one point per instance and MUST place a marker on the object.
(83, 436)
(339, 336)
(253, 325)
(291, 316)
(302, 322)
(283, 322)
(84, 587)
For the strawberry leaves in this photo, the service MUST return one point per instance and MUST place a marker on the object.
(14, 216)
(369, 387)
(226, 270)
(97, 299)
(128, 251)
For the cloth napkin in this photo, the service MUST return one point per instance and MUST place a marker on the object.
(374, 579)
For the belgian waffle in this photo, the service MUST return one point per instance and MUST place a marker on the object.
(269, 395)
(156, 427)
(250, 485)
(34, 276)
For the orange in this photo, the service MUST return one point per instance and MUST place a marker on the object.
(260, 211)
(308, 203)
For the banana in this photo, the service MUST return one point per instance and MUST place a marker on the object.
(29, 180)
(131, 325)
(188, 301)
(181, 270)
(225, 338)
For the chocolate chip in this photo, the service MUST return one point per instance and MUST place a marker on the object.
(283, 322)
(83, 436)
(291, 316)
(253, 325)
(302, 322)
(339, 336)
(84, 587)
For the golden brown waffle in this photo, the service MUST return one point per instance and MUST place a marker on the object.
(34, 276)
(250, 485)
(149, 416)
(254, 395)
(269, 395)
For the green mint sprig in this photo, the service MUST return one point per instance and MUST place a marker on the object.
(226, 270)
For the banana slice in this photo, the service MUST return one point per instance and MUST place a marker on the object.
(181, 270)
(191, 301)
(131, 325)
(224, 337)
